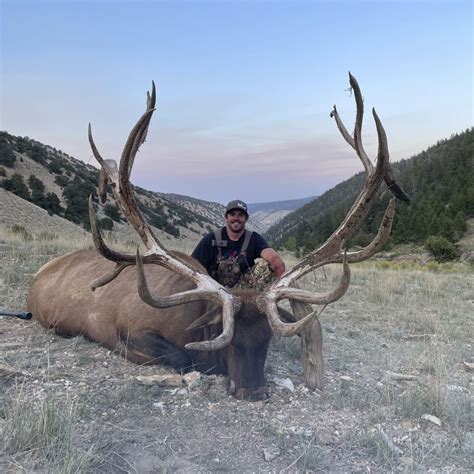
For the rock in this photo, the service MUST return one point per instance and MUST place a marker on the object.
(432, 419)
(192, 379)
(456, 388)
(396, 376)
(169, 380)
(269, 454)
(405, 460)
(346, 378)
(469, 366)
(284, 383)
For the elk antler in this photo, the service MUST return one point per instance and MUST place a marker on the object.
(119, 179)
(331, 250)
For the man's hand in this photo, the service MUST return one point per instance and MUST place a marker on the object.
(275, 261)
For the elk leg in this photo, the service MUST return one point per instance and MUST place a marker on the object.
(151, 348)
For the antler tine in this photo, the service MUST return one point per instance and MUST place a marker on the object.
(268, 303)
(141, 137)
(203, 291)
(130, 149)
(330, 251)
(358, 124)
(206, 288)
(103, 280)
(99, 243)
(108, 166)
(374, 246)
(356, 141)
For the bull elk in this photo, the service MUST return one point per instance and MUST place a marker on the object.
(168, 310)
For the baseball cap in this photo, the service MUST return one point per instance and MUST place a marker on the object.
(236, 204)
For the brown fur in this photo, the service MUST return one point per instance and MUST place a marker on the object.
(114, 315)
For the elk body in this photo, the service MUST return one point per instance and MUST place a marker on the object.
(162, 307)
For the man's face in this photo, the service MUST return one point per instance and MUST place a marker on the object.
(235, 220)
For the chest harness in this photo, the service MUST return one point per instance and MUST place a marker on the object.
(227, 270)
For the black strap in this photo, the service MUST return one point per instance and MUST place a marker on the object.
(248, 236)
(220, 243)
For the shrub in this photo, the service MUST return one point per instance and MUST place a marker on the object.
(106, 223)
(17, 186)
(52, 204)
(441, 248)
(21, 232)
(7, 157)
(54, 167)
(112, 211)
(61, 181)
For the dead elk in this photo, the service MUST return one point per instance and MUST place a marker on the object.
(163, 307)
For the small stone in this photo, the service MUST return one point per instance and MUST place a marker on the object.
(169, 380)
(269, 454)
(432, 419)
(407, 425)
(469, 366)
(192, 379)
(284, 383)
(346, 378)
(407, 461)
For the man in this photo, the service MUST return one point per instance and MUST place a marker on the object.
(235, 245)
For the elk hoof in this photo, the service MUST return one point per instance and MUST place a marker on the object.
(252, 394)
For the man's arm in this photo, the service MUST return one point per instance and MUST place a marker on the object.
(203, 252)
(275, 261)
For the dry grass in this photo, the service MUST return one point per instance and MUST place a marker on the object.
(78, 407)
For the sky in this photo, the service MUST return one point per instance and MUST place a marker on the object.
(244, 88)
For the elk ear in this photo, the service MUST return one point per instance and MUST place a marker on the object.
(213, 316)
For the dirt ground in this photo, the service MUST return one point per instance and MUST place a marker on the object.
(398, 393)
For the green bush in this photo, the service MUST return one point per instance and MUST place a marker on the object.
(106, 223)
(441, 248)
(61, 181)
(113, 212)
(17, 186)
(7, 157)
(54, 167)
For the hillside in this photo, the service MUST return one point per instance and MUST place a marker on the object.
(440, 181)
(61, 184)
(268, 214)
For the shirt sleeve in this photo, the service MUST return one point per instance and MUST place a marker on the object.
(260, 244)
(203, 252)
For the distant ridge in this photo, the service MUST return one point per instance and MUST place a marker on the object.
(267, 214)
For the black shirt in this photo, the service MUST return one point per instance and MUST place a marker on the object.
(207, 254)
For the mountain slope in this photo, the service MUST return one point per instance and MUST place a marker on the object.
(268, 214)
(440, 181)
(61, 185)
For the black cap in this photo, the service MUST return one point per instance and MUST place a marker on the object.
(236, 205)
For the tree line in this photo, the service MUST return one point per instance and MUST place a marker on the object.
(439, 180)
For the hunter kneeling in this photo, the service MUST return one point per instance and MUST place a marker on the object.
(230, 252)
